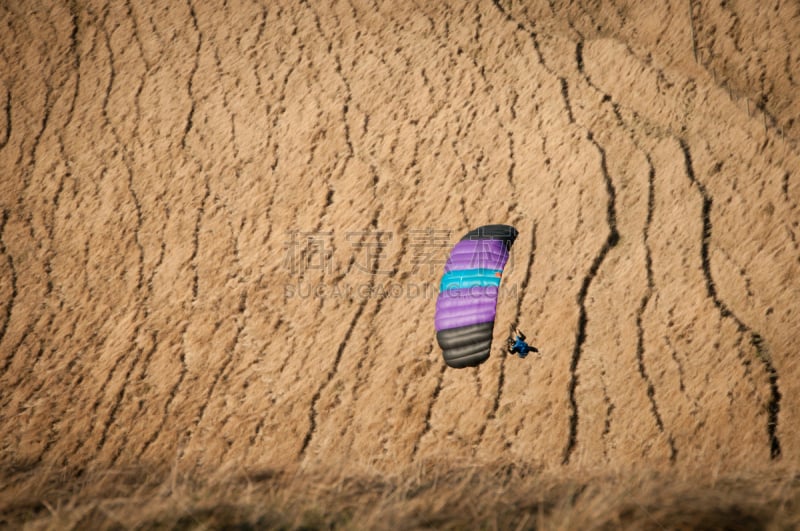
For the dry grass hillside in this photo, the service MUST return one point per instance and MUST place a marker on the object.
(223, 224)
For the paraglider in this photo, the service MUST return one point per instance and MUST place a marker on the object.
(519, 346)
(467, 301)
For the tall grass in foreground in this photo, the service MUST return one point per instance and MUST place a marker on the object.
(424, 496)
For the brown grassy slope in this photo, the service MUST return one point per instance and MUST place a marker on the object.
(156, 159)
(423, 496)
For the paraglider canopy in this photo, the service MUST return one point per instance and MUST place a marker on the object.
(467, 301)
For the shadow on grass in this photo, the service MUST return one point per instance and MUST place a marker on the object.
(425, 496)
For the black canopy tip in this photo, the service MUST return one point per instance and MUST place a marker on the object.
(506, 233)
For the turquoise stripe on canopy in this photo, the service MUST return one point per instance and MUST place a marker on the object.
(467, 278)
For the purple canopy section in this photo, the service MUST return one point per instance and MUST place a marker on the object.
(465, 306)
(477, 254)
